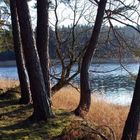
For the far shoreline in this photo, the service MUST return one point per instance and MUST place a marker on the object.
(12, 63)
(8, 63)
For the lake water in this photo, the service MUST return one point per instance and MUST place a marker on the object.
(115, 86)
(8, 73)
(112, 82)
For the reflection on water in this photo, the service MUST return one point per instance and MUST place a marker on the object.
(114, 89)
(118, 89)
(113, 83)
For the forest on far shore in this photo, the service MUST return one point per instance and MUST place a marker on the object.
(107, 45)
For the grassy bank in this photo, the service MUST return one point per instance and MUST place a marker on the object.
(101, 112)
(13, 125)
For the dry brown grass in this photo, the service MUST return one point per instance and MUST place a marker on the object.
(7, 83)
(101, 112)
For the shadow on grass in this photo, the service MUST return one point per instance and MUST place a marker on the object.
(14, 136)
(10, 94)
(42, 130)
(13, 125)
(20, 110)
(5, 103)
(22, 124)
(22, 130)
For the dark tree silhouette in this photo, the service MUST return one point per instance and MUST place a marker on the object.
(85, 94)
(132, 121)
(42, 40)
(41, 105)
(25, 91)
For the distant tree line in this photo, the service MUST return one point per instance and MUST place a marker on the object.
(107, 46)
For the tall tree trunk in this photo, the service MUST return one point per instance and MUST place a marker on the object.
(25, 91)
(85, 94)
(132, 122)
(42, 108)
(42, 40)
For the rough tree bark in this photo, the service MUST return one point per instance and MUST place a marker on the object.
(41, 105)
(25, 91)
(132, 121)
(85, 94)
(42, 40)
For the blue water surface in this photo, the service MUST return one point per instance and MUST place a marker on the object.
(113, 82)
